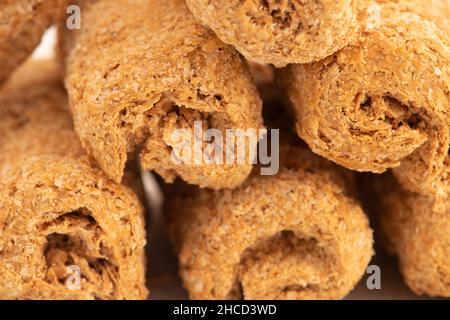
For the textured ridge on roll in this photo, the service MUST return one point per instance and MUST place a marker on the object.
(297, 235)
(23, 23)
(419, 236)
(141, 69)
(382, 102)
(280, 32)
(56, 211)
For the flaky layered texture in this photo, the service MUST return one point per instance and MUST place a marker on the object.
(280, 32)
(419, 236)
(297, 235)
(382, 102)
(67, 231)
(138, 71)
(22, 23)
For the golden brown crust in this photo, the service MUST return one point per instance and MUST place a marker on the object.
(382, 102)
(420, 237)
(297, 235)
(280, 32)
(132, 82)
(56, 211)
(23, 23)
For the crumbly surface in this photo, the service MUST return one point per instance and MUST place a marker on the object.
(22, 23)
(419, 236)
(382, 102)
(141, 69)
(297, 235)
(56, 211)
(280, 32)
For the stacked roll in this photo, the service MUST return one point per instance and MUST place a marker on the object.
(297, 235)
(409, 228)
(138, 71)
(280, 32)
(382, 102)
(67, 231)
(23, 23)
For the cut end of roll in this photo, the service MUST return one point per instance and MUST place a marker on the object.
(296, 235)
(280, 32)
(287, 267)
(133, 104)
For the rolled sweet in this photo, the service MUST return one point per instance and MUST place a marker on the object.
(23, 23)
(135, 81)
(297, 235)
(382, 102)
(280, 32)
(420, 237)
(67, 231)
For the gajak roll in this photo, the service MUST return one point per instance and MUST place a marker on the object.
(140, 70)
(382, 102)
(420, 237)
(280, 32)
(22, 24)
(297, 235)
(66, 230)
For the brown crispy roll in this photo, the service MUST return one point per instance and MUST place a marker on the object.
(297, 235)
(419, 236)
(22, 23)
(280, 32)
(66, 230)
(382, 102)
(141, 69)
